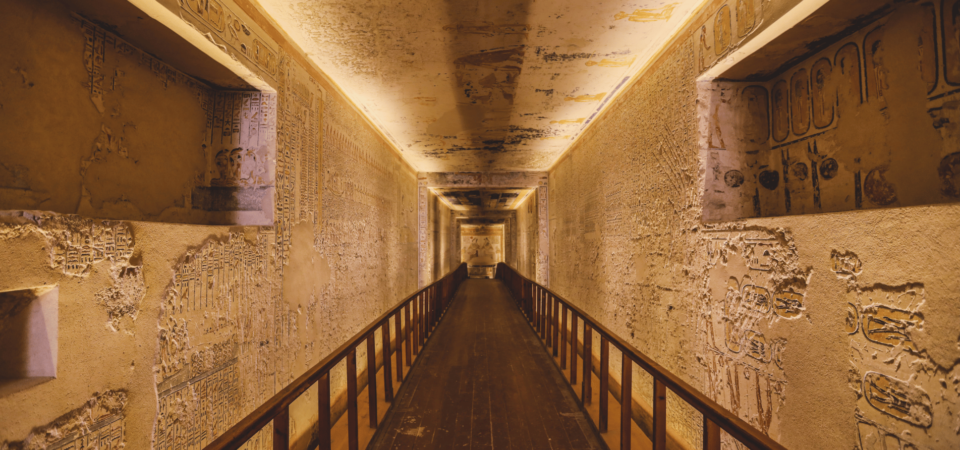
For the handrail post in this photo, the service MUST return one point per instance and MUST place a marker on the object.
(604, 382)
(659, 415)
(563, 338)
(555, 325)
(372, 377)
(398, 332)
(281, 429)
(711, 435)
(352, 417)
(387, 363)
(573, 348)
(407, 338)
(586, 391)
(549, 318)
(626, 401)
(323, 410)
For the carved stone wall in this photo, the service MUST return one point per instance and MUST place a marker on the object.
(849, 127)
(171, 333)
(791, 322)
(527, 236)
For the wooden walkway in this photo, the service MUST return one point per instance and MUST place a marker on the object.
(485, 381)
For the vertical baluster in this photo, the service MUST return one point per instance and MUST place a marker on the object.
(563, 338)
(626, 402)
(281, 429)
(387, 363)
(543, 315)
(536, 309)
(372, 377)
(323, 410)
(416, 325)
(586, 392)
(556, 326)
(407, 339)
(573, 347)
(659, 415)
(423, 318)
(711, 435)
(353, 428)
(398, 333)
(604, 381)
(549, 318)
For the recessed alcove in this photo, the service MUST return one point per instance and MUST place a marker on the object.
(120, 117)
(28, 333)
(855, 105)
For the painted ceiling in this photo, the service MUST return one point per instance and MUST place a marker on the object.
(501, 85)
(482, 199)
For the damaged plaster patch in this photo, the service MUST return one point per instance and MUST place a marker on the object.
(99, 423)
(124, 297)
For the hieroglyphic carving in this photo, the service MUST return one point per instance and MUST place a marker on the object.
(724, 29)
(214, 363)
(423, 245)
(543, 231)
(299, 142)
(77, 244)
(98, 424)
(822, 166)
(950, 12)
(232, 29)
(822, 96)
(756, 276)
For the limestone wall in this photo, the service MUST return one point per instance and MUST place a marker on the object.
(170, 333)
(526, 237)
(845, 319)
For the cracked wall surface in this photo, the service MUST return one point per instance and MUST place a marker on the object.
(194, 325)
(791, 322)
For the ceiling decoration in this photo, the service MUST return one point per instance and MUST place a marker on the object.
(480, 200)
(495, 85)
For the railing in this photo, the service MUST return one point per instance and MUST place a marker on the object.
(547, 313)
(422, 311)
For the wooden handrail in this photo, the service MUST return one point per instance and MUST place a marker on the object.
(541, 306)
(428, 305)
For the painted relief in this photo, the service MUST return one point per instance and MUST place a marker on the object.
(212, 365)
(725, 29)
(239, 147)
(834, 143)
(755, 125)
(822, 96)
(481, 250)
(755, 283)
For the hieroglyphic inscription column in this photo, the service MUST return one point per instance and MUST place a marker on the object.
(543, 241)
(423, 250)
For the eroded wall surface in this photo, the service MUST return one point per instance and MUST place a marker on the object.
(527, 238)
(847, 319)
(169, 333)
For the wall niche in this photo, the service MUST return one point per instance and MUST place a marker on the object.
(98, 126)
(857, 106)
(28, 331)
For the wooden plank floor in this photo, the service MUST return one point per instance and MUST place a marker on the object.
(485, 381)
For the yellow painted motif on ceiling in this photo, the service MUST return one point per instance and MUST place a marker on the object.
(612, 62)
(586, 98)
(565, 122)
(648, 15)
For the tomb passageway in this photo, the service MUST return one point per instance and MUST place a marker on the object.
(485, 381)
